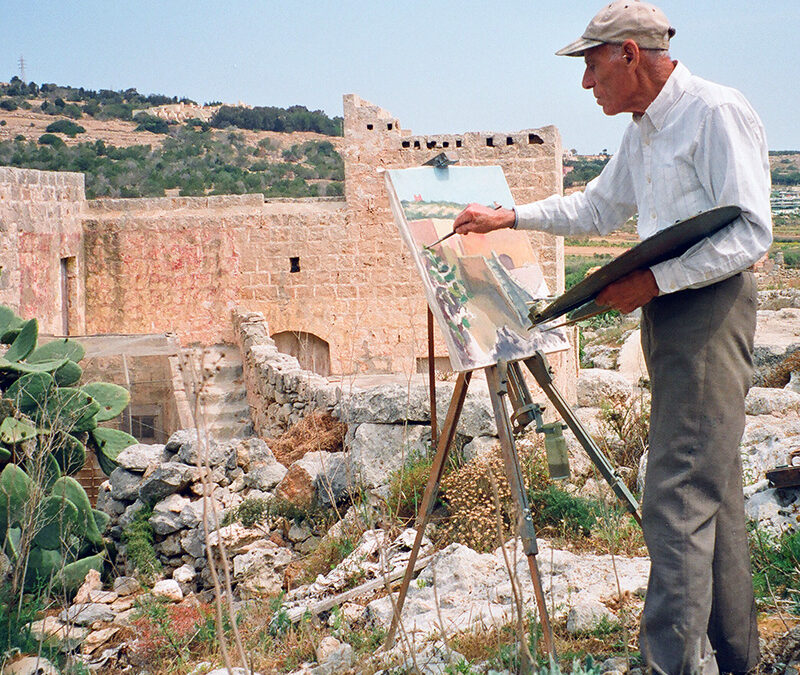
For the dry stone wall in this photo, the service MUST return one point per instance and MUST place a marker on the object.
(279, 391)
(41, 254)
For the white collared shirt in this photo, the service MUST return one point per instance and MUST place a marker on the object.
(698, 145)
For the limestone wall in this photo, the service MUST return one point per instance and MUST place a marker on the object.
(374, 139)
(41, 255)
(330, 277)
(279, 391)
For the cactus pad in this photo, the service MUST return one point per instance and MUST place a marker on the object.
(109, 443)
(25, 342)
(112, 398)
(68, 374)
(56, 350)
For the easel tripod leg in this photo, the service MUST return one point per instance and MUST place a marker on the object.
(448, 433)
(498, 386)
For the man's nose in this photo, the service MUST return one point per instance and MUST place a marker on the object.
(588, 81)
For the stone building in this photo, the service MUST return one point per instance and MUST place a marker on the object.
(330, 275)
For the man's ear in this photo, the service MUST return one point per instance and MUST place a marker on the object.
(630, 52)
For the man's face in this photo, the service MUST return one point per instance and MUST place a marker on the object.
(609, 78)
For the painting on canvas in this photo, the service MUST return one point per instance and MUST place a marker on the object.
(480, 286)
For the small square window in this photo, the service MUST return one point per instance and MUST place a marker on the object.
(294, 265)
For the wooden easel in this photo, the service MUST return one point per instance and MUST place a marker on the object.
(505, 380)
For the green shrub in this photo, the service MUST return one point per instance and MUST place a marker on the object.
(552, 507)
(776, 566)
(51, 139)
(8, 104)
(407, 485)
(150, 123)
(67, 127)
(139, 538)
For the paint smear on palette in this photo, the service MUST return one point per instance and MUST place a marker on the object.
(480, 286)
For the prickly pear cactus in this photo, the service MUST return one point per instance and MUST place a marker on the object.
(64, 533)
(48, 407)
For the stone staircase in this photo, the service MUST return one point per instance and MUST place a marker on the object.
(218, 385)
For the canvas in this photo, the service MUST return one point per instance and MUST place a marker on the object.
(479, 286)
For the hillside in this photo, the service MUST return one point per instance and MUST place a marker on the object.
(130, 145)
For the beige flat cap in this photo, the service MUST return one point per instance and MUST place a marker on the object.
(622, 20)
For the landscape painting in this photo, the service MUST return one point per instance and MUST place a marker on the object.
(479, 286)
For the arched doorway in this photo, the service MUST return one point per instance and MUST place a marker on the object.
(312, 352)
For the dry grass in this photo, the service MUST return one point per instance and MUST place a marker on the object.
(315, 432)
(780, 374)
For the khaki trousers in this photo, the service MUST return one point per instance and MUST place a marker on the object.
(698, 346)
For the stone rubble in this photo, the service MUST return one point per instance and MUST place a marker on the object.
(386, 428)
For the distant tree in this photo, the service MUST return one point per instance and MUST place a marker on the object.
(67, 127)
(51, 139)
(8, 104)
(150, 123)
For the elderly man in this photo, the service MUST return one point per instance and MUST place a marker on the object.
(692, 145)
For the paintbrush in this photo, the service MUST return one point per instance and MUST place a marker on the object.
(450, 234)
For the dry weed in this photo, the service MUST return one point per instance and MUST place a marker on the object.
(468, 494)
(625, 424)
(316, 431)
(778, 376)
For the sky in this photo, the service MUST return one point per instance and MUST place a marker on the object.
(440, 66)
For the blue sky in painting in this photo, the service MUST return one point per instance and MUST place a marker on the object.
(460, 184)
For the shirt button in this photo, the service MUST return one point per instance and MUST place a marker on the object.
(653, 215)
(649, 180)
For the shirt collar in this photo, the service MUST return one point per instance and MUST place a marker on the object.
(670, 93)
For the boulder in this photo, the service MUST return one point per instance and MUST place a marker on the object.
(106, 502)
(184, 574)
(104, 597)
(253, 452)
(166, 516)
(130, 513)
(600, 356)
(169, 589)
(195, 448)
(97, 638)
(630, 361)
(126, 585)
(474, 588)
(399, 404)
(265, 477)
(124, 484)
(235, 537)
(766, 443)
(318, 476)
(167, 479)
(193, 542)
(586, 614)
(170, 546)
(596, 386)
(86, 613)
(767, 401)
(478, 446)
(30, 665)
(260, 569)
(91, 582)
(466, 583)
(775, 510)
(70, 636)
(333, 657)
(138, 457)
(376, 451)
